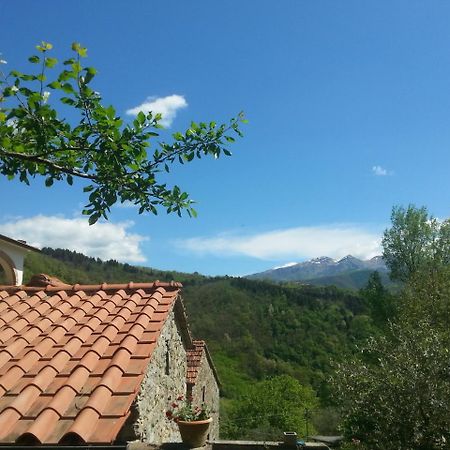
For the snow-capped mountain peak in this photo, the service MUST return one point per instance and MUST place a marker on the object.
(290, 264)
(322, 266)
(322, 260)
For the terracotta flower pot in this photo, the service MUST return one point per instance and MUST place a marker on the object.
(194, 434)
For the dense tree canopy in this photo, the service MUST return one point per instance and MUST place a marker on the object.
(272, 406)
(95, 144)
(380, 301)
(395, 392)
(414, 241)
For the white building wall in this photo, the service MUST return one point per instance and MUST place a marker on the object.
(11, 260)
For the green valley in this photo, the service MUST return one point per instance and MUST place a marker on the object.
(256, 330)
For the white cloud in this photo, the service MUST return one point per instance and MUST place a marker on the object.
(101, 240)
(334, 241)
(380, 171)
(166, 106)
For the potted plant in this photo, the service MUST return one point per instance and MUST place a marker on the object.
(193, 421)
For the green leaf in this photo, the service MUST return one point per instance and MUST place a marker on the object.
(29, 77)
(90, 73)
(141, 117)
(68, 88)
(94, 218)
(44, 46)
(23, 178)
(54, 85)
(8, 91)
(6, 142)
(68, 101)
(82, 51)
(50, 62)
(111, 112)
(48, 182)
(66, 75)
(34, 59)
(76, 67)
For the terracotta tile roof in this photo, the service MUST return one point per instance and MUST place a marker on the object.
(194, 358)
(72, 358)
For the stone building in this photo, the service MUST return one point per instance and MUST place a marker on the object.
(202, 381)
(95, 364)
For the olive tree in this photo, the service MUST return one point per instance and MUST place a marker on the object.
(111, 157)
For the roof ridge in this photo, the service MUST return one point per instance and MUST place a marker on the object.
(171, 285)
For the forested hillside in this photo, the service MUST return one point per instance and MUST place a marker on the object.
(355, 279)
(74, 267)
(269, 330)
(254, 329)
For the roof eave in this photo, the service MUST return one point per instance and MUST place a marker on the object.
(18, 243)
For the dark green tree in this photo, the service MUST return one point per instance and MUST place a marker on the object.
(113, 158)
(380, 301)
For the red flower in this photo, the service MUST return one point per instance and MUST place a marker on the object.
(180, 398)
(174, 405)
(169, 414)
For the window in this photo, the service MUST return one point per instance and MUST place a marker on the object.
(167, 369)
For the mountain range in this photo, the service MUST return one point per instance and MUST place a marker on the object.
(349, 272)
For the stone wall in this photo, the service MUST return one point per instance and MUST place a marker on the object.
(206, 390)
(164, 381)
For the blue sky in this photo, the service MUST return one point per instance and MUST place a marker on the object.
(349, 114)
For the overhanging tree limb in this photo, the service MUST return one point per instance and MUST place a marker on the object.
(98, 147)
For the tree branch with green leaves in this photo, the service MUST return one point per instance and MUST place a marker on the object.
(112, 157)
